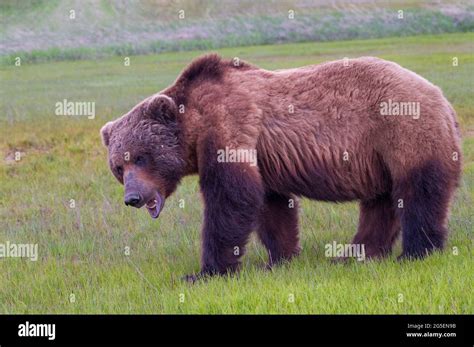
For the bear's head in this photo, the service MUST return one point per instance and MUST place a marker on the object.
(145, 152)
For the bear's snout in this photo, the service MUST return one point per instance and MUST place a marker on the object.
(133, 199)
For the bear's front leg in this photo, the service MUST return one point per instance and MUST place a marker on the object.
(233, 195)
(278, 227)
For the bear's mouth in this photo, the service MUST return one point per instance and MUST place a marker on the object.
(155, 205)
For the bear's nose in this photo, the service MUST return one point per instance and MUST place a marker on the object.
(132, 199)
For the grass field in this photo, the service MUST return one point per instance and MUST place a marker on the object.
(45, 30)
(101, 257)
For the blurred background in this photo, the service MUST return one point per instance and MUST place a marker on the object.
(48, 30)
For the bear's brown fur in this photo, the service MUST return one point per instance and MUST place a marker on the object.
(318, 131)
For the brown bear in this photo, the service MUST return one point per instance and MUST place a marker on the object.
(355, 129)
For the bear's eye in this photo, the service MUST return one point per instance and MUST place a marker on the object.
(119, 170)
(140, 161)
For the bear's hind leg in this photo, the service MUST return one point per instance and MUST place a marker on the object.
(425, 193)
(278, 227)
(378, 227)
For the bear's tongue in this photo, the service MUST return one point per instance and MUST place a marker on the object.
(154, 206)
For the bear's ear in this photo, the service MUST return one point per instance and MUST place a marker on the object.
(105, 133)
(162, 108)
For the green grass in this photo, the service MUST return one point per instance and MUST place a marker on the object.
(82, 250)
(41, 30)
